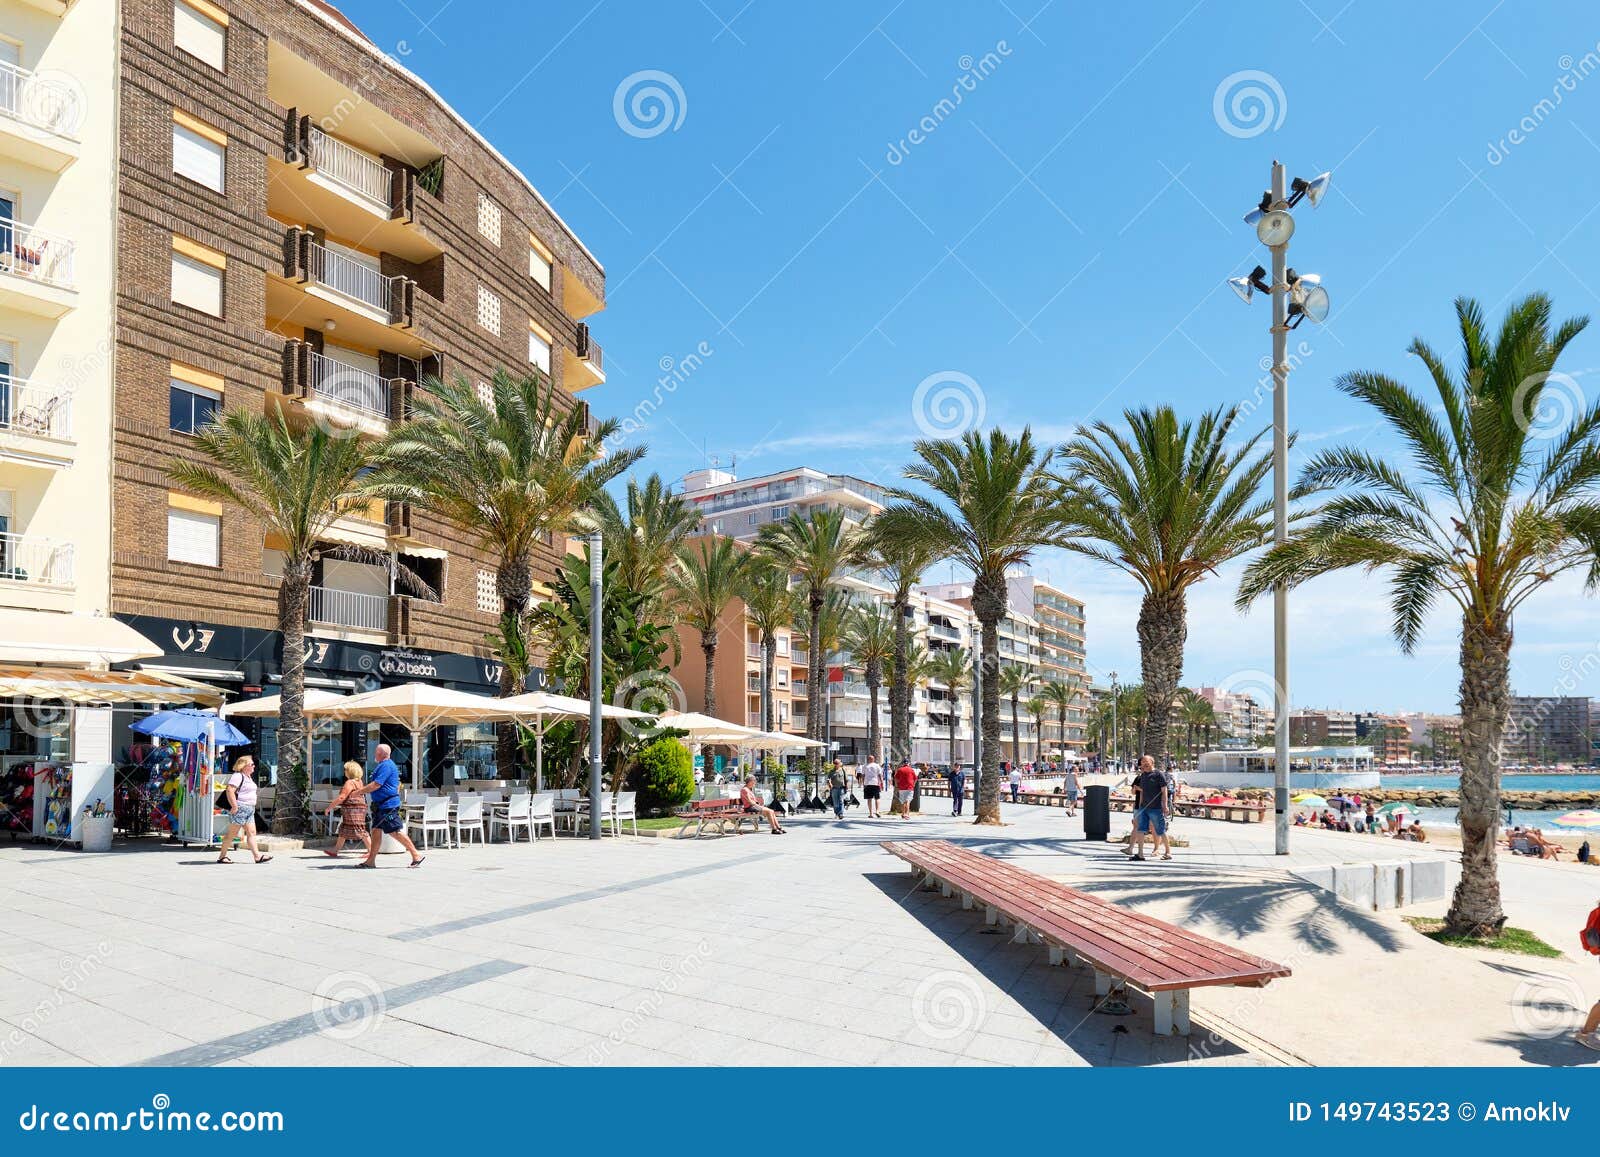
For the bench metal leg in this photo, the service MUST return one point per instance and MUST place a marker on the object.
(1172, 1013)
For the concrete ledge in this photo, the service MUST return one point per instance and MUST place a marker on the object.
(1384, 884)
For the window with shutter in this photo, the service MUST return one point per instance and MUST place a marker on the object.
(198, 158)
(196, 284)
(194, 537)
(199, 33)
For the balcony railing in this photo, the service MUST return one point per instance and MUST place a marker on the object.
(35, 561)
(31, 408)
(36, 254)
(355, 279)
(754, 650)
(49, 104)
(348, 385)
(349, 167)
(800, 657)
(363, 612)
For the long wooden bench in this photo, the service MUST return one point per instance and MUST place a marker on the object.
(1123, 947)
(1234, 811)
(700, 813)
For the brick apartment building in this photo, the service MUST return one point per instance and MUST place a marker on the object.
(304, 227)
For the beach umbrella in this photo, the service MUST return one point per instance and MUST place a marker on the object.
(1398, 807)
(541, 705)
(1586, 818)
(189, 725)
(1309, 799)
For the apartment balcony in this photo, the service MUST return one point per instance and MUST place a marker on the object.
(346, 189)
(344, 394)
(800, 658)
(584, 366)
(318, 283)
(753, 651)
(36, 270)
(35, 423)
(349, 610)
(39, 118)
(800, 689)
(31, 561)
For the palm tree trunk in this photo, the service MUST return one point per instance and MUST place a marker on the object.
(1485, 701)
(514, 585)
(989, 605)
(1016, 733)
(900, 690)
(769, 659)
(708, 644)
(874, 731)
(814, 726)
(1163, 627)
(1061, 725)
(289, 814)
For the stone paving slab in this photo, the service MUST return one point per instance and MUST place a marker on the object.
(809, 949)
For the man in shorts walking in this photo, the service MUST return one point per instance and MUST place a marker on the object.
(1150, 804)
(871, 777)
(905, 787)
(384, 787)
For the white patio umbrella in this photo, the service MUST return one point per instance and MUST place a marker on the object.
(418, 707)
(266, 705)
(707, 728)
(541, 705)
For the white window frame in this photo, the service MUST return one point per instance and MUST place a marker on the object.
(195, 520)
(539, 350)
(184, 136)
(188, 388)
(541, 264)
(185, 262)
(199, 25)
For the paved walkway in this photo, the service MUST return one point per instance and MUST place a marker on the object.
(810, 948)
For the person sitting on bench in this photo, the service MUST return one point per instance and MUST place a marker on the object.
(752, 805)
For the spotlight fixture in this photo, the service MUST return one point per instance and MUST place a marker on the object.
(1275, 228)
(1313, 190)
(1308, 301)
(1248, 285)
(1255, 214)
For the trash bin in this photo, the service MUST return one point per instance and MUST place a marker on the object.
(1097, 812)
(96, 831)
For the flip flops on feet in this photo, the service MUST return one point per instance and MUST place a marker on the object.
(416, 863)
(263, 859)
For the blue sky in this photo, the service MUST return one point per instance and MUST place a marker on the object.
(1060, 235)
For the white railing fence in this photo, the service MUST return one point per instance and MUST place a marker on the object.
(349, 385)
(355, 279)
(364, 612)
(37, 561)
(31, 408)
(358, 171)
(48, 102)
(36, 254)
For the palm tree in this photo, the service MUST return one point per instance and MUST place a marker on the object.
(295, 483)
(769, 606)
(1198, 716)
(993, 502)
(869, 636)
(643, 536)
(706, 577)
(1063, 696)
(817, 549)
(953, 668)
(1014, 680)
(1492, 502)
(902, 564)
(512, 471)
(1038, 707)
(1167, 503)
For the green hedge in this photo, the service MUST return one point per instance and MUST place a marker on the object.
(664, 777)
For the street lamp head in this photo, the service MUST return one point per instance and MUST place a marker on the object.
(1275, 228)
(1242, 286)
(1313, 190)
(1315, 304)
(1259, 211)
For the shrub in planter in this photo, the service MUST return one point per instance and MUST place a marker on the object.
(664, 777)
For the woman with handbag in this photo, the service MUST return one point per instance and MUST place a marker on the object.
(239, 791)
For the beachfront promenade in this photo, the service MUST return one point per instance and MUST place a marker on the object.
(808, 949)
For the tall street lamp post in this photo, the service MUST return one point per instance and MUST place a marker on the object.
(1297, 297)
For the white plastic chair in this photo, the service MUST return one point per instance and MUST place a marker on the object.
(542, 810)
(492, 796)
(515, 815)
(623, 808)
(470, 818)
(566, 805)
(435, 817)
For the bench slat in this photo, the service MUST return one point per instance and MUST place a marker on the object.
(1150, 953)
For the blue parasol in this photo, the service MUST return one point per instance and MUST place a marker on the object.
(190, 725)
